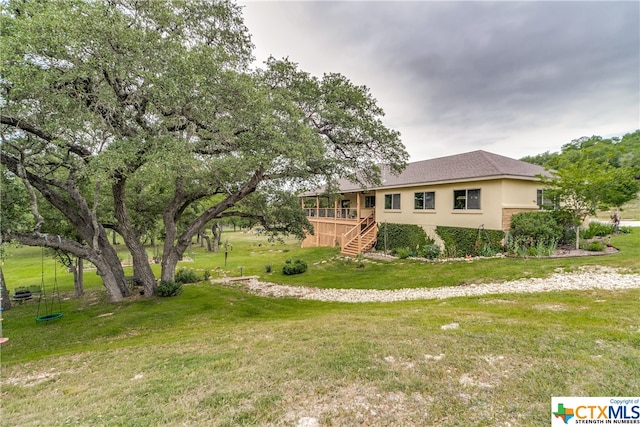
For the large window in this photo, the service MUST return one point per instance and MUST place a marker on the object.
(545, 201)
(424, 200)
(466, 199)
(392, 201)
(369, 201)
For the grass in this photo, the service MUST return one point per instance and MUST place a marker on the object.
(218, 356)
(628, 211)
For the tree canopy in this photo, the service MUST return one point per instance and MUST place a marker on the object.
(139, 116)
(591, 174)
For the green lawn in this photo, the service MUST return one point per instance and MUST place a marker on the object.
(217, 356)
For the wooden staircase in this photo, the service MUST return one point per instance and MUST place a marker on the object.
(360, 238)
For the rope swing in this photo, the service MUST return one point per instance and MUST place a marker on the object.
(48, 302)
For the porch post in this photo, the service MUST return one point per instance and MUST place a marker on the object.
(358, 206)
(335, 221)
(317, 230)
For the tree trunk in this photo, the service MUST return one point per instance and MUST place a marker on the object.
(216, 230)
(206, 238)
(577, 237)
(104, 258)
(141, 266)
(6, 302)
(170, 260)
(78, 277)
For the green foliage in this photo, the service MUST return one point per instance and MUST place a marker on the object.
(614, 152)
(168, 289)
(599, 229)
(595, 246)
(296, 266)
(401, 253)
(150, 113)
(185, 275)
(430, 251)
(566, 222)
(268, 268)
(401, 236)
(461, 241)
(535, 227)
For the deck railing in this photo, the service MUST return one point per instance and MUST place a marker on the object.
(340, 213)
(358, 232)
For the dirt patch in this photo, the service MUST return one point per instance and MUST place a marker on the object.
(568, 251)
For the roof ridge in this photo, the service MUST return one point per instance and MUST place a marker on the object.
(489, 158)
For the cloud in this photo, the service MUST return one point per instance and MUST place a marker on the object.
(515, 78)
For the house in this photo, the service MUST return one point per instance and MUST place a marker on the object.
(465, 190)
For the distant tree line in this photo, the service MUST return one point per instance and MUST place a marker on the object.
(591, 174)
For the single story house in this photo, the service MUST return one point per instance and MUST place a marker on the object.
(464, 190)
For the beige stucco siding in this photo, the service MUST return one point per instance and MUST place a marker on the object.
(495, 196)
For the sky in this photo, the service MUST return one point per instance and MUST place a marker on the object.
(512, 78)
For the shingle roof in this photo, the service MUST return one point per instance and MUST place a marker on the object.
(459, 167)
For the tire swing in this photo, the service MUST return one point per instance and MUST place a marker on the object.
(48, 302)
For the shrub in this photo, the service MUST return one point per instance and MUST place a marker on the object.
(401, 236)
(268, 268)
(430, 251)
(460, 241)
(168, 289)
(296, 266)
(402, 253)
(537, 226)
(488, 250)
(596, 246)
(600, 229)
(187, 276)
(564, 219)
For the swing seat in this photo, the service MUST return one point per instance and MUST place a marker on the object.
(47, 317)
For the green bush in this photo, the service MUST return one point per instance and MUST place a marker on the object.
(564, 219)
(401, 236)
(430, 251)
(268, 268)
(596, 246)
(537, 226)
(187, 276)
(296, 266)
(401, 253)
(168, 289)
(460, 241)
(600, 229)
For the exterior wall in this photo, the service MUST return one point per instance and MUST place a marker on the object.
(498, 199)
(518, 196)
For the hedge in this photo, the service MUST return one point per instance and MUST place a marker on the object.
(401, 236)
(460, 241)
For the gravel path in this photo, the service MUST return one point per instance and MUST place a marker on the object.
(586, 278)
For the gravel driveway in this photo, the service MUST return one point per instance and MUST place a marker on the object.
(584, 279)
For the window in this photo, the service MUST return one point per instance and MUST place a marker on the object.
(426, 200)
(369, 201)
(345, 204)
(545, 201)
(392, 201)
(466, 199)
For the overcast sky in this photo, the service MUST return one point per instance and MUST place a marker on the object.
(513, 78)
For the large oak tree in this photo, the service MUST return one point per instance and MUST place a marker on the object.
(125, 114)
